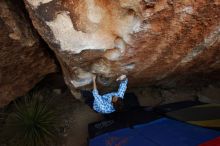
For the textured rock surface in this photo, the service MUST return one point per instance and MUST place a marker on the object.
(24, 61)
(154, 42)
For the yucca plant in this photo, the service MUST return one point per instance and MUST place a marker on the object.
(32, 123)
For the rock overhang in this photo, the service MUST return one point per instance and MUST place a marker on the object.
(148, 40)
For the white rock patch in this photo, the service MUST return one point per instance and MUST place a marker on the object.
(82, 74)
(101, 67)
(76, 41)
(129, 66)
(82, 78)
(128, 25)
(94, 12)
(113, 55)
(188, 9)
(36, 3)
(120, 44)
(80, 83)
(184, 12)
(208, 42)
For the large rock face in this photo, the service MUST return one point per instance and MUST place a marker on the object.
(153, 41)
(24, 60)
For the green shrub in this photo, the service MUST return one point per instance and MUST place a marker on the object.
(32, 123)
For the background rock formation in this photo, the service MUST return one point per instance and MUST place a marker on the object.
(155, 42)
(24, 60)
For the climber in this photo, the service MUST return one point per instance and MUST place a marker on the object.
(109, 102)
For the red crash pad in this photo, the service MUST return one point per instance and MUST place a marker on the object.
(213, 142)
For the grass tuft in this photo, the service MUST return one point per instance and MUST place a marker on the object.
(32, 123)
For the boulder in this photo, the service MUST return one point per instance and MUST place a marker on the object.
(154, 42)
(24, 58)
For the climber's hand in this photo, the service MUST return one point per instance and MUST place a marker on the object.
(122, 77)
(94, 77)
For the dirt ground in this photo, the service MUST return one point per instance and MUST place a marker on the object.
(75, 119)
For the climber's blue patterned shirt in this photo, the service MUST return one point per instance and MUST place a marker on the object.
(103, 103)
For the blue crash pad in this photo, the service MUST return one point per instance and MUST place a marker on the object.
(123, 137)
(161, 132)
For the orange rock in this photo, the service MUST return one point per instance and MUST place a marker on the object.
(24, 59)
(164, 41)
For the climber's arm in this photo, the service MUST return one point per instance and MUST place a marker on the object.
(94, 82)
(95, 91)
(122, 88)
